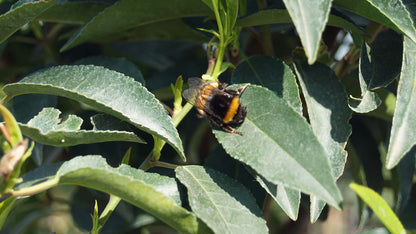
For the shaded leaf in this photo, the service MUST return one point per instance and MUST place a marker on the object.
(328, 112)
(277, 16)
(271, 73)
(121, 65)
(382, 60)
(5, 208)
(408, 214)
(375, 231)
(369, 100)
(135, 13)
(47, 128)
(385, 110)
(365, 148)
(220, 161)
(222, 203)
(107, 91)
(309, 17)
(174, 29)
(380, 208)
(288, 199)
(279, 144)
(391, 13)
(26, 106)
(21, 13)
(11, 126)
(406, 171)
(403, 130)
(151, 192)
(72, 12)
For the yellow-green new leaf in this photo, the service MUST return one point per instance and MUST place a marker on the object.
(380, 208)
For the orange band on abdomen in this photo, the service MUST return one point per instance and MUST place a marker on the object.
(232, 110)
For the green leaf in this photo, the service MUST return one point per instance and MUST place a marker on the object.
(381, 60)
(406, 170)
(369, 100)
(408, 214)
(279, 144)
(107, 91)
(121, 65)
(5, 208)
(271, 73)
(380, 208)
(402, 136)
(11, 126)
(47, 128)
(222, 203)
(391, 13)
(328, 112)
(277, 16)
(26, 106)
(151, 192)
(134, 13)
(288, 199)
(385, 110)
(309, 17)
(72, 12)
(22, 13)
(95, 225)
(232, 13)
(174, 29)
(380, 230)
(278, 77)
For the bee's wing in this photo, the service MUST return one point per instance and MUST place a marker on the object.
(194, 86)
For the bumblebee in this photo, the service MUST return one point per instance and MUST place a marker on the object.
(221, 106)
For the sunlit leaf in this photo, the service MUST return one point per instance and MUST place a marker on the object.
(403, 131)
(107, 91)
(279, 144)
(151, 192)
(392, 13)
(310, 18)
(22, 13)
(278, 77)
(222, 203)
(135, 13)
(271, 73)
(328, 112)
(47, 128)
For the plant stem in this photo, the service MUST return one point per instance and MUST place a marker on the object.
(34, 189)
(164, 164)
(266, 38)
(109, 208)
(159, 143)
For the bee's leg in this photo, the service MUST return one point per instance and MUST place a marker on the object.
(229, 129)
(222, 86)
(242, 88)
(201, 114)
(215, 121)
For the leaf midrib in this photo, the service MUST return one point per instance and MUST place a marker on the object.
(210, 198)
